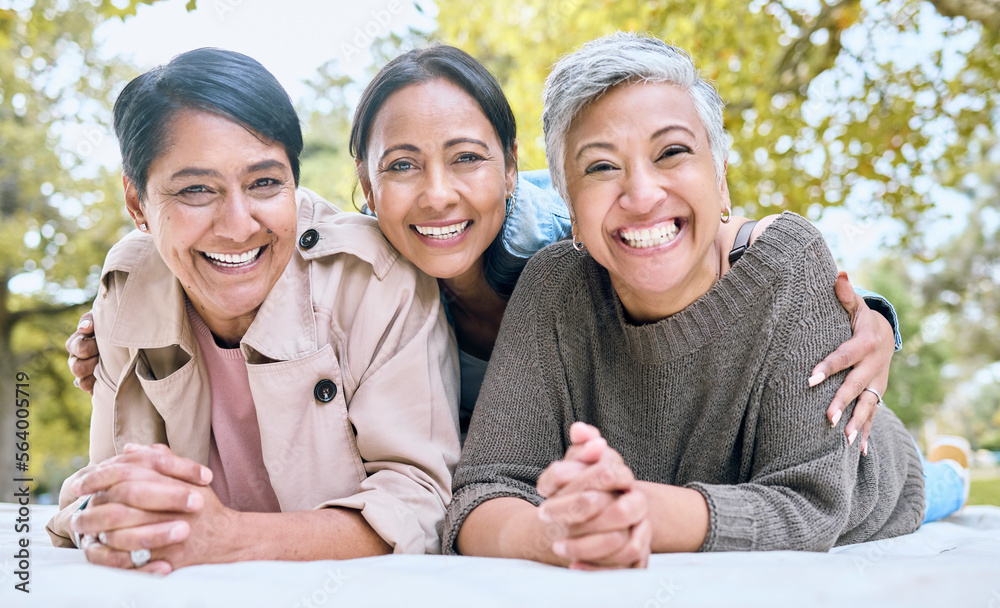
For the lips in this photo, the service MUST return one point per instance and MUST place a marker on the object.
(233, 260)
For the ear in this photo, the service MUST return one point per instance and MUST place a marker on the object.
(511, 173)
(132, 202)
(365, 183)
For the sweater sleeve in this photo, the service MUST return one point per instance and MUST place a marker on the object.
(515, 432)
(799, 493)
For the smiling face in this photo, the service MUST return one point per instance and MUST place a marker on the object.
(645, 195)
(220, 206)
(435, 177)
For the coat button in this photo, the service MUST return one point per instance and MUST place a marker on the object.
(309, 238)
(325, 391)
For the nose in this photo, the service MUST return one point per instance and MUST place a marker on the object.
(234, 219)
(643, 189)
(438, 193)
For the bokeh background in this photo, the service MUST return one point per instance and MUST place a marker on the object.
(876, 119)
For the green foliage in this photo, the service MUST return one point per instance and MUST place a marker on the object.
(55, 227)
(917, 387)
(985, 492)
(820, 107)
(327, 166)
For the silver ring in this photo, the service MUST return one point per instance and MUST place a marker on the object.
(140, 557)
(878, 396)
(76, 382)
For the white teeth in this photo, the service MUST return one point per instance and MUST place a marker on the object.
(234, 260)
(650, 237)
(443, 232)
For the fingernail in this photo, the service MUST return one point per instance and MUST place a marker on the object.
(102, 538)
(850, 438)
(864, 449)
(193, 501)
(544, 516)
(175, 533)
(836, 418)
(76, 486)
(83, 325)
(816, 378)
(206, 475)
(559, 548)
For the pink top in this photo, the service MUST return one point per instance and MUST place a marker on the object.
(239, 477)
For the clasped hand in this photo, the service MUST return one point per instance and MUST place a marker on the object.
(148, 498)
(595, 516)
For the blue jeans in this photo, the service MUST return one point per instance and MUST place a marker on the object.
(944, 489)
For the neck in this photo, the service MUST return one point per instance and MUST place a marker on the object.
(475, 309)
(650, 308)
(227, 332)
(470, 287)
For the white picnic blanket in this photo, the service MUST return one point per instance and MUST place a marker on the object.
(948, 564)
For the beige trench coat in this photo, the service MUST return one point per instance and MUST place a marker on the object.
(347, 309)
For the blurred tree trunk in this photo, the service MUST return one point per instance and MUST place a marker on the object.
(986, 11)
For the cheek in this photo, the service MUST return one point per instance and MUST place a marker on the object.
(390, 202)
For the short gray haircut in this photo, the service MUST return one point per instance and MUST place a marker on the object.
(582, 77)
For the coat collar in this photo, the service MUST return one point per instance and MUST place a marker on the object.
(152, 312)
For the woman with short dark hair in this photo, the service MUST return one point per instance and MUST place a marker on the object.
(275, 381)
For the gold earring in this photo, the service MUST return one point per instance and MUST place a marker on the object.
(510, 201)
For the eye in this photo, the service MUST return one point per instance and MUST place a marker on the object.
(265, 182)
(674, 150)
(400, 166)
(469, 157)
(194, 190)
(599, 167)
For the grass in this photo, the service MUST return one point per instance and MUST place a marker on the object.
(985, 491)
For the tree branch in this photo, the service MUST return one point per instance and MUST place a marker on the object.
(789, 75)
(985, 11)
(43, 311)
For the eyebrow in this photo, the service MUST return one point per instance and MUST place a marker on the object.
(407, 147)
(263, 165)
(608, 146)
(194, 172)
(465, 140)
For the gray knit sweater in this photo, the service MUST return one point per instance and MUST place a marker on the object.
(713, 398)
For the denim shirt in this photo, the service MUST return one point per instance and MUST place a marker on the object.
(536, 217)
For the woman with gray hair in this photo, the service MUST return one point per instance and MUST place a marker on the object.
(646, 392)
